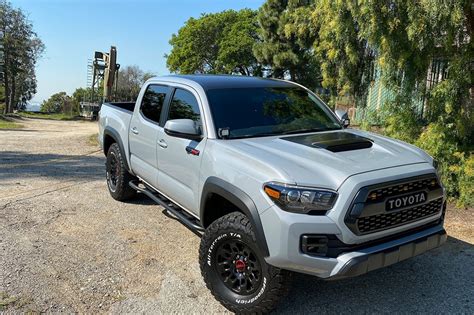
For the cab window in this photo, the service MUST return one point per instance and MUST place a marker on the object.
(153, 101)
(185, 106)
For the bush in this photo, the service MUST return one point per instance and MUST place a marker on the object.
(400, 120)
(465, 175)
(456, 168)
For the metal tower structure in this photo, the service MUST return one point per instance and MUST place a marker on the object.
(105, 71)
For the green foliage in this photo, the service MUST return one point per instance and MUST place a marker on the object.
(2, 94)
(129, 83)
(8, 123)
(21, 50)
(450, 103)
(283, 45)
(400, 119)
(345, 58)
(87, 95)
(456, 167)
(49, 116)
(465, 171)
(437, 141)
(216, 43)
(58, 103)
(407, 37)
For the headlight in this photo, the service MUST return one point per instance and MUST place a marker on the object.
(300, 199)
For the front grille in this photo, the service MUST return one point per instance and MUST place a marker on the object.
(379, 194)
(385, 221)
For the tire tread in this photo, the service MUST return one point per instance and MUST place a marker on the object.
(124, 191)
(278, 280)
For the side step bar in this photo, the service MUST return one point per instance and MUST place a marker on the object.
(191, 222)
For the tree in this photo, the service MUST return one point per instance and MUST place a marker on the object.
(87, 95)
(408, 37)
(282, 47)
(129, 83)
(216, 43)
(21, 50)
(346, 59)
(2, 95)
(58, 103)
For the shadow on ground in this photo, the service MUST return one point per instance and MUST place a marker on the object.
(141, 199)
(439, 281)
(15, 165)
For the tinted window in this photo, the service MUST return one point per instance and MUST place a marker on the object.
(184, 106)
(152, 102)
(251, 112)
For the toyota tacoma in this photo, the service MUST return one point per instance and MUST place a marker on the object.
(272, 180)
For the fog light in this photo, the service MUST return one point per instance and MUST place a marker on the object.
(314, 244)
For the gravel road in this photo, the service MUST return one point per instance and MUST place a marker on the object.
(66, 245)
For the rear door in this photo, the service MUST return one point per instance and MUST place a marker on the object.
(179, 159)
(143, 134)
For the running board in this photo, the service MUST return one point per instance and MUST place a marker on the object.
(191, 222)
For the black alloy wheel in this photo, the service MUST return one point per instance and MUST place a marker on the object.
(117, 175)
(234, 268)
(238, 267)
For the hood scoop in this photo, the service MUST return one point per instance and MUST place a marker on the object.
(333, 141)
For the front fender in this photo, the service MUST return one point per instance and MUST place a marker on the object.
(241, 200)
(112, 133)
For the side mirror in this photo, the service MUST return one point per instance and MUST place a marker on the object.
(183, 128)
(343, 117)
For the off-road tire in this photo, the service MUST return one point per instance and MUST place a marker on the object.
(118, 188)
(274, 282)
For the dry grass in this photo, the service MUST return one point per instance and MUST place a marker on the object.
(9, 123)
(52, 116)
(93, 140)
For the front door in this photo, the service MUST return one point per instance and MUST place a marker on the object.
(143, 132)
(179, 159)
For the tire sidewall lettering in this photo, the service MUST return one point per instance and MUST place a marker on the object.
(215, 241)
(256, 297)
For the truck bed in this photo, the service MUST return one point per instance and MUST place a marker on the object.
(128, 106)
(116, 116)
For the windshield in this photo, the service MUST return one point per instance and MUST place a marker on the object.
(265, 111)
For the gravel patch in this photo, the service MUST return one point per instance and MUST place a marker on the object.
(67, 246)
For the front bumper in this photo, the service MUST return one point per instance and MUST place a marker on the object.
(285, 250)
(372, 258)
(364, 252)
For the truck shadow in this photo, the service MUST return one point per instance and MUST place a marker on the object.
(15, 165)
(440, 281)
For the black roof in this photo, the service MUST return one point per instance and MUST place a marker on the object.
(214, 81)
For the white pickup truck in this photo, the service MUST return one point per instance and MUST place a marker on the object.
(272, 180)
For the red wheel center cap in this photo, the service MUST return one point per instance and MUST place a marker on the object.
(240, 265)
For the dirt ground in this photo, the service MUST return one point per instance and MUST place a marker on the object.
(67, 246)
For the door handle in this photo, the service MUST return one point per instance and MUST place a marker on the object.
(135, 130)
(162, 143)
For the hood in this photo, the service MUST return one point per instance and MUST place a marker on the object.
(327, 159)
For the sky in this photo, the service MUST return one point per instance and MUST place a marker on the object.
(140, 29)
